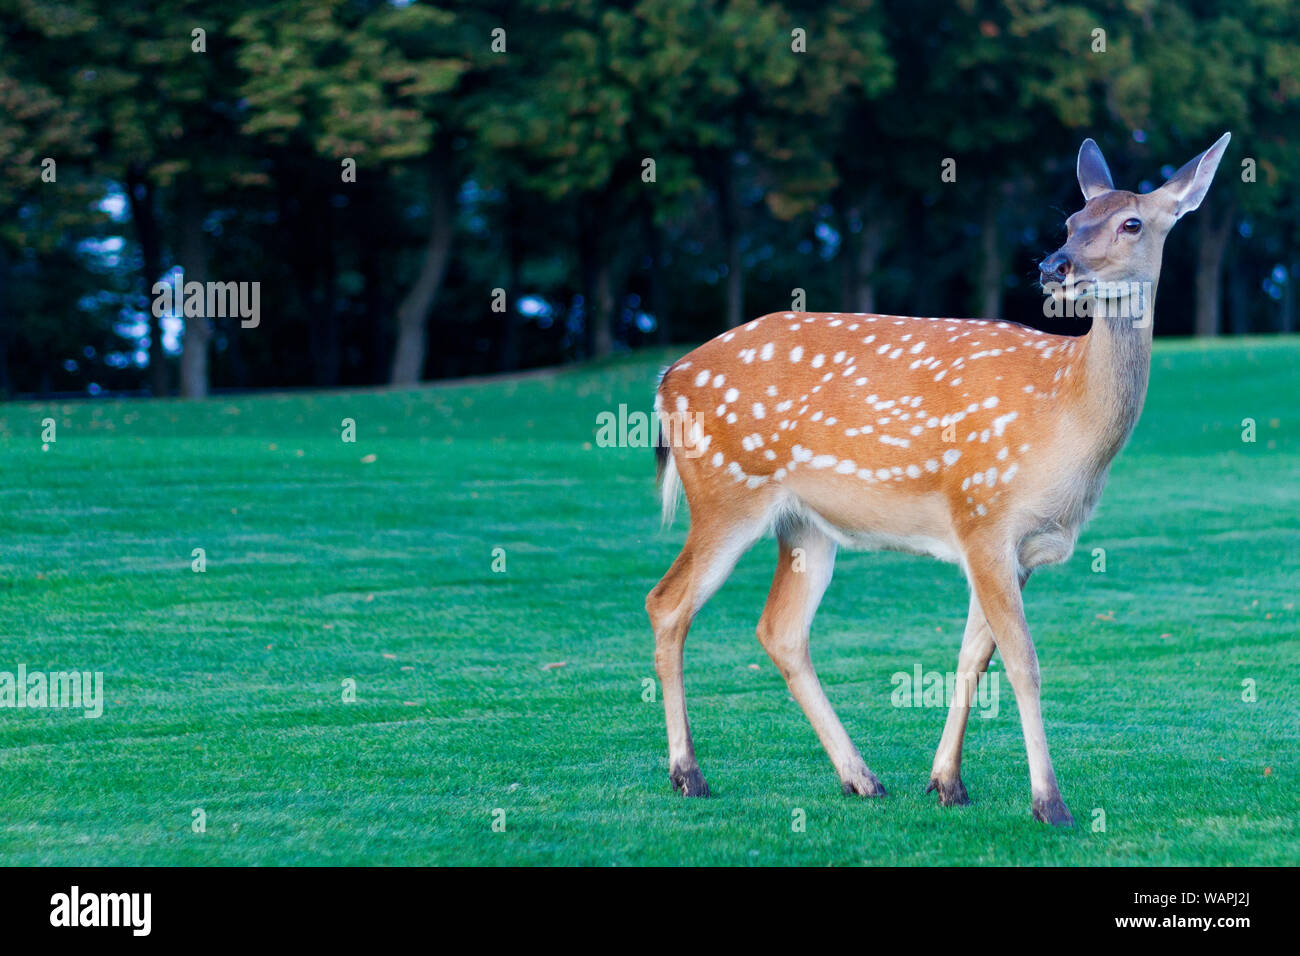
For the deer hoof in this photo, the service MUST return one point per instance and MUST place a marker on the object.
(689, 782)
(1051, 810)
(864, 783)
(952, 793)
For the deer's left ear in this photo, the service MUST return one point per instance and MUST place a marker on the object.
(1094, 174)
(1187, 187)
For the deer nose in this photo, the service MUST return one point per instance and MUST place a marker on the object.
(1055, 267)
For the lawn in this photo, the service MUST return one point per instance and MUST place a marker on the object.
(333, 565)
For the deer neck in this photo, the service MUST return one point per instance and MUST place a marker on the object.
(1117, 364)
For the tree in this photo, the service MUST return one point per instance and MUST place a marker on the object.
(370, 83)
(1210, 70)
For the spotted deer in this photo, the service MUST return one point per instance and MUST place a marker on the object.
(979, 442)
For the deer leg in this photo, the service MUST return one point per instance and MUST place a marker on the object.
(976, 649)
(807, 558)
(706, 560)
(972, 661)
(994, 585)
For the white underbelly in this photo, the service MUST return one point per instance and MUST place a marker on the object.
(907, 540)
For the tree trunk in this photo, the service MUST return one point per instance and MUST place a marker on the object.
(326, 340)
(374, 272)
(6, 384)
(1212, 234)
(871, 243)
(192, 247)
(656, 302)
(603, 309)
(510, 322)
(597, 276)
(847, 216)
(1289, 299)
(862, 242)
(992, 259)
(140, 194)
(413, 311)
(1239, 318)
(729, 223)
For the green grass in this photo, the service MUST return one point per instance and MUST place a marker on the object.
(224, 689)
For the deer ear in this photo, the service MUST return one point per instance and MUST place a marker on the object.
(1094, 174)
(1187, 187)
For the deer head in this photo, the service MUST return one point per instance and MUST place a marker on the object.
(1114, 244)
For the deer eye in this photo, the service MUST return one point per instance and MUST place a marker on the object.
(1132, 225)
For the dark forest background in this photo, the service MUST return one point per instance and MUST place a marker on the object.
(446, 189)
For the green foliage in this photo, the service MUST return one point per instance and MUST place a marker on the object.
(796, 141)
(343, 81)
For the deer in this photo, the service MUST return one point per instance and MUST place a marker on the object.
(980, 442)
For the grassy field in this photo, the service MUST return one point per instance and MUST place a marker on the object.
(332, 561)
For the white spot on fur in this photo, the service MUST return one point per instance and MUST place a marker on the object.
(1002, 421)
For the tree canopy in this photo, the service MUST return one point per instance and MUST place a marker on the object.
(449, 188)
